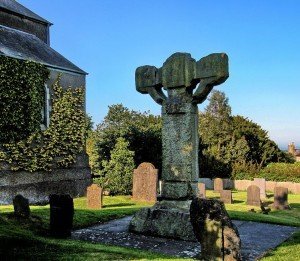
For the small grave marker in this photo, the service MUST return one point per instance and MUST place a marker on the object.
(261, 183)
(145, 183)
(61, 215)
(218, 184)
(226, 196)
(201, 190)
(281, 198)
(21, 206)
(94, 197)
(253, 195)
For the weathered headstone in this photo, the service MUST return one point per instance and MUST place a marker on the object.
(261, 183)
(226, 196)
(61, 215)
(281, 198)
(218, 185)
(179, 75)
(94, 197)
(201, 190)
(145, 183)
(253, 196)
(218, 236)
(21, 206)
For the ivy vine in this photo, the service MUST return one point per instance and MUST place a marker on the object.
(57, 146)
(21, 98)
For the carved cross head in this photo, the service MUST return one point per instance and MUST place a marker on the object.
(181, 71)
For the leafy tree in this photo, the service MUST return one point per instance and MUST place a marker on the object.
(118, 170)
(141, 130)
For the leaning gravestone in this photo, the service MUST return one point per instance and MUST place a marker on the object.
(261, 183)
(281, 198)
(61, 215)
(145, 183)
(21, 206)
(179, 75)
(94, 197)
(218, 236)
(218, 185)
(201, 190)
(226, 196)
(253, 195)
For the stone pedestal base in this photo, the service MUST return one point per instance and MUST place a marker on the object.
(169, 219)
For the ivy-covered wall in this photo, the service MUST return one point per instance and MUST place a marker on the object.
(21, 98)
(29, 148)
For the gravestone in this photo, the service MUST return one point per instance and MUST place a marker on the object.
(61, 215)
(218, 236)
(201, 190)
(261, 183)
(94, 197)
(145, 183)
(253, 195)
(218, 185)
(226, 196)
(21, 206)
(281, 198)
(179, 75)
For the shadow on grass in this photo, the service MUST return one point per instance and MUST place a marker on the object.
(119, 205)
(238, 201)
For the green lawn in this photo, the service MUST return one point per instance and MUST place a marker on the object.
(28, 239)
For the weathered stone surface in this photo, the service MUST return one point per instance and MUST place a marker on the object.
(201, 190)
(253, 196)
(164, 219)
(37, 186)
(218, 236)
(61, 215)
(21, 206)
(261, 183)
(226, 196)
(145, 183)
(218, 185)
(94, 197)
(281, 198)
(179, 75)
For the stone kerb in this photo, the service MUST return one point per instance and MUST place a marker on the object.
(253, 195)
(281, 198)
(145, 179)
(94, 197)
(218, 185)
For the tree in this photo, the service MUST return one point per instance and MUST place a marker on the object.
(118, 170)
(141, 130)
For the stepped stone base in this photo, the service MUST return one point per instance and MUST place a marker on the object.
(170, 219)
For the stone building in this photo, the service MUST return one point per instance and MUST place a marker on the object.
(294, 151)
(25, 35)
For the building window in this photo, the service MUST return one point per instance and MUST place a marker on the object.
(46, 110)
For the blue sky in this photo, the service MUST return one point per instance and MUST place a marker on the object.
(110, 38)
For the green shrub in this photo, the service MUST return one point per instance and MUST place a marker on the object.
(118, 171)
(281, 172)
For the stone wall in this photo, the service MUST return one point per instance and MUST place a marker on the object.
(244, 184)
(37, 186)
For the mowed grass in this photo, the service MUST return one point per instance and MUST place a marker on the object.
(29, 239)
(241, 211)
(22, 239)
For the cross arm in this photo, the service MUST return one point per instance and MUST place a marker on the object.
(211, 70)
(148, 80)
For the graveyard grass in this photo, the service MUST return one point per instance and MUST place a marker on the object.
(21, 239)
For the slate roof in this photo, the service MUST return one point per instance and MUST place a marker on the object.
(18, 9)
(21, 45)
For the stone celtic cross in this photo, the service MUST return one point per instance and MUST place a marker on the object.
(179, 76)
